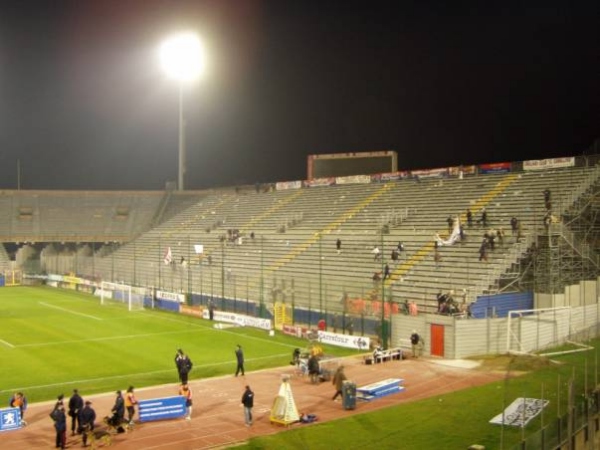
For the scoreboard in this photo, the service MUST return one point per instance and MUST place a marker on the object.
(346, 164)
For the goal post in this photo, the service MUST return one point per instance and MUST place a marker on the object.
(120, 293)
(531, 330)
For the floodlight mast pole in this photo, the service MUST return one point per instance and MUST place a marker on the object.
(181, 172)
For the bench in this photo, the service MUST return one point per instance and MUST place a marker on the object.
(382, 356)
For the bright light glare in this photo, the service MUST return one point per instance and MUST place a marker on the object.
(182, 57)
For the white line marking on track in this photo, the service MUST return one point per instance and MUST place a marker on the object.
(69, 311)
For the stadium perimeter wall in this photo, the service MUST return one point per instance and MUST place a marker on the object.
(453, 337)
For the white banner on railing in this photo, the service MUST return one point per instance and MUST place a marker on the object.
(239, 319)
(550, 163)
(172, 296)
(520, 412)
(344, 340)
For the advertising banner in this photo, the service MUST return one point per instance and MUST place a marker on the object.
(551, 163)
(390, 176)
(495, 168)
(171, 296)
(162, 408)
(430, 173)
(330, 181)
(353, 179)
(239, 319)
(284, 185)
(466, 170)
(10, 419)
(344, 340)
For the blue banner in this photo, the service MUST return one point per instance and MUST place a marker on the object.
(162, 408)
(10, 419)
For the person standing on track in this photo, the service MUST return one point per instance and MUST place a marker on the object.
(130, 402)
(75, 406)
(248, 402)
(186, 393)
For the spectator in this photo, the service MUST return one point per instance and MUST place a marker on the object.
(400, 247)
(239, 356)
(513, 225)
(386, 271)
(338, 246)
(395, 255)
(75, 406)
(248, 402)
(376, 253)
(484, 218)
(469, 218)
(483, 250)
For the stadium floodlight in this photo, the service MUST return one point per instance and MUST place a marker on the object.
(182, 58)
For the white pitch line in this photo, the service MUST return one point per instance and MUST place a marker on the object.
(8, 344)
(69, 311)
(106, 338)
(130, 375)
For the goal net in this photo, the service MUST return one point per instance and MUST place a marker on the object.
(121, 294)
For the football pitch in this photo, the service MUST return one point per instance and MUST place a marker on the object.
(53, 341)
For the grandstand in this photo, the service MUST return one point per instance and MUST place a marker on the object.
(292, 255)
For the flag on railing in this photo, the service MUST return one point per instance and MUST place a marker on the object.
(168, 256)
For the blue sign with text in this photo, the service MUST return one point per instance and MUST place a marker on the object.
(162, 408)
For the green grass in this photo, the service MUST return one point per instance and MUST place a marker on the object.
(52, 341)
(452, 421)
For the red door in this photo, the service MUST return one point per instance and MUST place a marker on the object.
(437, 340)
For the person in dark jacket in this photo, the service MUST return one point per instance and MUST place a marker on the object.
(313, 368)
(239, 356)
(118, 411)
(184, 366)
(75, 406)
(60, 425)
(248, 402)
(87, 417)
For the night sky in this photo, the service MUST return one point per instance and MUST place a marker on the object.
(84, 103)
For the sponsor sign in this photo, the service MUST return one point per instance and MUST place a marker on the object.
(284, 185)
(494, 168)
(316, 182)
(466, 170)
(520, 412)
(292, 330)
(430, 173)
(171, 296)
(239, 319)
(344, 340)
(191, 310)
(390, 176)
(10, 419)
(353, 179)
(162, 408)
(550, 163)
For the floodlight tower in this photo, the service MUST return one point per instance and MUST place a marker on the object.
(182, 58)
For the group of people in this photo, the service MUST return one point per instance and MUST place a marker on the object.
(82, 416)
